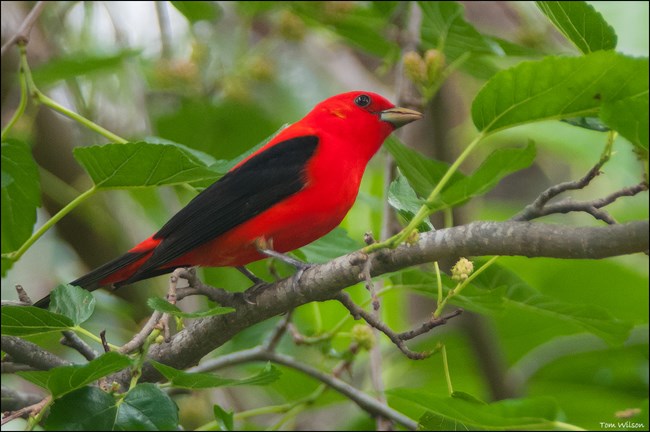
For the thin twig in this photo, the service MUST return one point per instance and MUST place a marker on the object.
(22, 35)
(139, 339)
(593, 207)
(105, 345)
(22, 295)
(397, 339)
(274, 338)
(28, 410)
(427, 326)
(365, 402)
(73, 341)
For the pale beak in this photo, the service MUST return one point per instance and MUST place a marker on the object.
(399, 116)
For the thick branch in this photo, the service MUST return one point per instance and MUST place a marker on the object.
(22, 351)
(323, 282)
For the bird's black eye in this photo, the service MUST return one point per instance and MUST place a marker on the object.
(362, 100)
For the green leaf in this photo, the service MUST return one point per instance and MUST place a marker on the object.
(498, 289)
(61, 68)
(146, 407)
(520, 295)
(454, 413)
(359, 24)
(629, 117)
(499, 164)
(332, 245)
(558, 87)
(189, 380)
(65, 379)
(581, 24)
(72, 301)
(21, 194)
(591, 318)
(444, 27)
(403, 198)
(196, 11)
(141, 164)
(160, 305)
(422, 173)
(86, 409)
(224, 418)
(30, 320)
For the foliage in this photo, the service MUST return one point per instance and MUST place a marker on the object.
(559, 334)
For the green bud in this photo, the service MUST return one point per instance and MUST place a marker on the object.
(363, 336)
(462, 269)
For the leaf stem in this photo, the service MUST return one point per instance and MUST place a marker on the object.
(83, 331)
(445, 365)
(15, 256)
(425, 211)
(462, 285)
(21, 105)
(42, 98)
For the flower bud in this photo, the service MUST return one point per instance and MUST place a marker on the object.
(414, 67)
(462, 269)
(435, 63)
(363, 336)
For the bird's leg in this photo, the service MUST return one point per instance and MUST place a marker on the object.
(300, 266)
(258, 284)
(250, 275)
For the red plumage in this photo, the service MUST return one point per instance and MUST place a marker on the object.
(292, 191)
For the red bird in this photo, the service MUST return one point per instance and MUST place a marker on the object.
(292, 191)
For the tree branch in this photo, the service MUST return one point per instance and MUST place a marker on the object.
(323, 282)
(22, 351)
(364, 401)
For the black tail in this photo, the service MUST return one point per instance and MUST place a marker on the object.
(92, 280)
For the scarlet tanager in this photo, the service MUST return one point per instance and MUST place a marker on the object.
(292, 191)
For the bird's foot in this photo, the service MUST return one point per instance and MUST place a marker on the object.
(300, 266)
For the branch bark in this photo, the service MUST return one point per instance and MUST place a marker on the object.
(323, 282)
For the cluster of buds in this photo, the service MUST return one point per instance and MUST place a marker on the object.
(424, 72)
(363, 336)
(462, 269)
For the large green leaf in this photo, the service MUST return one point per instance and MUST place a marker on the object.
(629, 117)
(499, 164)
(86, 409)
(61, 68)
(21, 194)
(72, 301)
(581, 24)
(196, 11)
(179, 378)
(558, 87)
(65, 379)
(358, 23)
(146, 407)
(498, 289)
(422, 173)
(403, 198)
(444, 26)
(142, 164)
(31, 320)
(461, 412)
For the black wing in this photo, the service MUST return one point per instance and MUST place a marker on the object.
(262, 181)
